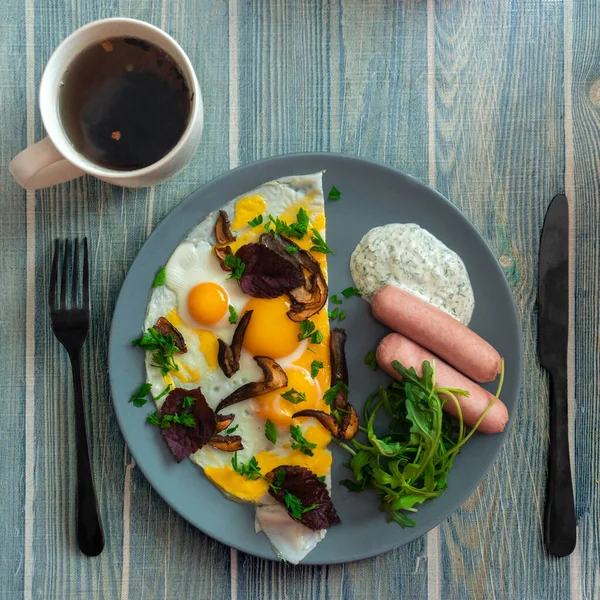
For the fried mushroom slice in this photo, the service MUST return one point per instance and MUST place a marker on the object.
(227, 443)
(221, 253)
(166, 328)
(345, 429)
(343, 420)
(223, 229)
(274, 377)
(309, 299)
(229, 356)
(223, 422)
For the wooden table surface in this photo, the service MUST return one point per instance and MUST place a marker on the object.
(495, 103)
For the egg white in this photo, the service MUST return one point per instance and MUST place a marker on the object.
(194, 262)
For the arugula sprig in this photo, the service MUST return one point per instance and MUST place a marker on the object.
(251, 470)
(162, 349)
(409, 462)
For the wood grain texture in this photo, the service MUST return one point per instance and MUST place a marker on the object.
(284, 76)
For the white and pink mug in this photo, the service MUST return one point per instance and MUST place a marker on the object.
(55, 160)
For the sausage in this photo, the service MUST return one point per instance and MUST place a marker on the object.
(397, 347)
(437, 331)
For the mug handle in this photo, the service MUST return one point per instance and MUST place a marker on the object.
(41, 166)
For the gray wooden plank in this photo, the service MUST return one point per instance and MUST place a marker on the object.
(12, 293)
(499, 150)
(582, 189)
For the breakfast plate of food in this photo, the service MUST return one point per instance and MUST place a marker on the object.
(315, 358)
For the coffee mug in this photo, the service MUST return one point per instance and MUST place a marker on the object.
(56, 160)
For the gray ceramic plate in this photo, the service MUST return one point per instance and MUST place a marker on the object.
(372, 195)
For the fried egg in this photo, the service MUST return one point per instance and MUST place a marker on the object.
(198, 298)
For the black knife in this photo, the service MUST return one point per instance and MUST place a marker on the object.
(553, 329)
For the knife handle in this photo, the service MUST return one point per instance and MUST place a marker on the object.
(560, 526)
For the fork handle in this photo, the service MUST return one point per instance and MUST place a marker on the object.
(90, 536)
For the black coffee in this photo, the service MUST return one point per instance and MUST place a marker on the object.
(124, 103)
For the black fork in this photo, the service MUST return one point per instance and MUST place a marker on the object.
(70, 326)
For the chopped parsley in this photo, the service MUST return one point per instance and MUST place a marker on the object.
(249, 470)
(300, 442)
(271, 431)
(294, 505)
(321, 479)
(232, 430)
(319, 243)
(291, 249)
(166, 421)
(316, 337)
(351, 291)
(294, 396)
(315, 365)
(330, 395)
(188, 402)
(306, 329)
(236, 265)
(333, 314)
(334, 193)
(162, 349)
(293, 230)
(335, 299)
(311, 350)
(256, 221)
(139, 397)
(342, 315)
(233, 316)
(163, 393)
(371, 360)
(161, 275)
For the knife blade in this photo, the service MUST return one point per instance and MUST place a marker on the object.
(553, 331)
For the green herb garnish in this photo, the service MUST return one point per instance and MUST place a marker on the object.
(306, 330)
(333, 314)
(162, 349)
(161, 275)
(295, 507)
(232, 430)
(300, 442)
(335, 299)
(152, 418)
(233, 316)
(351, 291)
(315, 365)
(319, 243)
(249, 470)
(294, 397)
(139, 397)
(188, 402)
(330, 395)
(291, 249)
(236, 265)
(371, 360)
(256, 221)
(163, 393)
(166, 421)
(409, 462)
(334, 193)
(342, 315)
(321, 479)
(271, 431)
(316, 337)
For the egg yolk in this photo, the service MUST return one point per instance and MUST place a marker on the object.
(248, 208)
(270, 331)
(207, 303)
(275, 407)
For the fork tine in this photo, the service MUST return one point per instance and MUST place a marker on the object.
(75, 281)
(86, 276)
(54, 276)
(63, 284)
